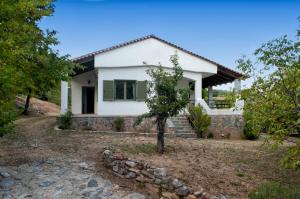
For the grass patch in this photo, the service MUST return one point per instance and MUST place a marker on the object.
(274, 190)
(147, 148)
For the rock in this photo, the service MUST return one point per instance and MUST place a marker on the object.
(116, 168)
(182, 191)
(130, 163)
(7, 182)
(140, 178)
(107, 153)
(199, 193)
(214, 197)
(176, 183)
(135, 196)
(147, 174)
(92, 183)
(160, 172)
(137, 171)
(46, 183)
(131, 175)
(4, 174)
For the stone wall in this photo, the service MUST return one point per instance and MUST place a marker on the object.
(97, 123)
(143, 172)
(226, 126)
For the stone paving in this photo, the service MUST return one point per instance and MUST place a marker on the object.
(58, 178)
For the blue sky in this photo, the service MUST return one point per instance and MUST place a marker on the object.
(219, 30)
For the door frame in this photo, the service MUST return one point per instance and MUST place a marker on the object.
(82, 100)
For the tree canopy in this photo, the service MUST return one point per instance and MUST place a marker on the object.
(27, 61)
(164, 99)
(272, 103)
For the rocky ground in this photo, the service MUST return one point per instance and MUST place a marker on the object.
(58, 178)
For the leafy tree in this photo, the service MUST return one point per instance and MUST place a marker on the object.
(164, 98)
(27, 62)
(272, 104)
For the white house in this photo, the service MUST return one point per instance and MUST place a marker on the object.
(113, 80)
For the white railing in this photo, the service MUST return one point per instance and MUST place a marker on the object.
(236, 110)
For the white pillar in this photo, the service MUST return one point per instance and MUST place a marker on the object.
(237, 85)
(63, 97)
(210, 96)
(100, 92)
(198, 90)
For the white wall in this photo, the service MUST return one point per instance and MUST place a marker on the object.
(76, 90)
(126, 108)
(153, 52)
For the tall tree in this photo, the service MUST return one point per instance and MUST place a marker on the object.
(272, 104)
(164, 99)
(26, 56)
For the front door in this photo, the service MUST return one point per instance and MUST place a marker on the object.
(88, 100)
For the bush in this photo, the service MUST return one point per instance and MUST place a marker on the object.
(119, 124)
(65, 120)
(251, 130)
(7, 116)
(199, 120)
(274, 190)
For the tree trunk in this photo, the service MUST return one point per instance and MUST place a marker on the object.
(25, 112)
(160, 135)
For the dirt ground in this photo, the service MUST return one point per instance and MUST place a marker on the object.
(232, 168)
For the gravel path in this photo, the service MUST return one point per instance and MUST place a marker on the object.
(58, 178)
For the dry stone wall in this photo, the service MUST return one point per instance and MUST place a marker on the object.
(143, 172)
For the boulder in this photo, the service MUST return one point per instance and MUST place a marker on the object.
(130, 163)
(182, 191)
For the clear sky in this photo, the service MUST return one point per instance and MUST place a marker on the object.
(219, 30)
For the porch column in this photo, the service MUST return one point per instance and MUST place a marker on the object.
(210, 96)
(100, 92)
(63, 97)
(198, 90)
(237, 85)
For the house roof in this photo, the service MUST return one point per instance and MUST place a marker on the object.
(224, 74)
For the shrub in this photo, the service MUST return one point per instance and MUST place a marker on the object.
(65, 120)
(119, 124)
(199, 120)
(251, 130)
(274, 190)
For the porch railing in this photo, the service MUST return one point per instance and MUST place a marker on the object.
(216, 104)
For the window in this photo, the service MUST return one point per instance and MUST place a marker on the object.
(125, 90)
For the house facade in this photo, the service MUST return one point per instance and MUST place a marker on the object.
(113, 81)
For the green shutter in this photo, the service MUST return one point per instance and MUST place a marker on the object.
(108, 90)
(141, 88)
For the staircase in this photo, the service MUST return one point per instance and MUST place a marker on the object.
(181, 127)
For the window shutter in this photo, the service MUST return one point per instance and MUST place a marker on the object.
(108, 90)
(141, 88)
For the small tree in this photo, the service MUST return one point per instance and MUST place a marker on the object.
(272, 104)
(164, 99)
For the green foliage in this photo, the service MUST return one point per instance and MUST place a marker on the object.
(274, 190)
(199, 120)
(65, 120)
(119, 124)
(27, 61)
(272, 104)
(164, 99)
